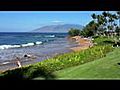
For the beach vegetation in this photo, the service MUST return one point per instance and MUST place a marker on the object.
(89, 30)
(74, 32)
(104, 24)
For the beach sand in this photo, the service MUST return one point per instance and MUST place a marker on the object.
(83, 43)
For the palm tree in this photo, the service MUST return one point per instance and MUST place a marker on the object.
(105, 15)
(112, 19)
(118, 31)
(115, 18)
(109, 20)
(94, 16)
(102, 23)
(118, 14)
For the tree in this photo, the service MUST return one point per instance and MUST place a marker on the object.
(94, 16)
(74, 32)
(89, 30)
(118, 31)
(105, 14)
(118, 15)
(105, 19)
(106, 22)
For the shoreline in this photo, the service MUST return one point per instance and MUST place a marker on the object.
(83, 43)
(12, 65)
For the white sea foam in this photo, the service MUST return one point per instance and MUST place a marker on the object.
(5, 63)
(28, 44)
(18, 46)
(9, 46)
(38, 42)
(50, 36)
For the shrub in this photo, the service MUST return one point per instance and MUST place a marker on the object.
(104, 40)
(74, 32)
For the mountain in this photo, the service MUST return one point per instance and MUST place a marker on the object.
(58, 28)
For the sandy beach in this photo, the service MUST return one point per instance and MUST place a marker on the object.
(83, 43)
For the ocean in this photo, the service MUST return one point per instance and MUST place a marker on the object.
(41, 45)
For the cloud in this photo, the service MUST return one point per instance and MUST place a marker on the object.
(57, 21)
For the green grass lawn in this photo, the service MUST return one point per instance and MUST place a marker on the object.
(104, 68)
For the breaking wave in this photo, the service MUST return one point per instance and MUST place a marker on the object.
(51, 36)
(20, 46)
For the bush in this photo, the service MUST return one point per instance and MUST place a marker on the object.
(74, 32)
(86, 32)
(104, 40)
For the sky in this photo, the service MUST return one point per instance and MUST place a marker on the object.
(24, 21)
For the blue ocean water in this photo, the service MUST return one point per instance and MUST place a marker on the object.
(25, 38)
(42, 45)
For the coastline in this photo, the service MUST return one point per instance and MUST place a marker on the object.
(83, 43)
(9, 65)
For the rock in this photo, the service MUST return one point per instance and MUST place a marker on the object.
(29, 56)
(25, 55)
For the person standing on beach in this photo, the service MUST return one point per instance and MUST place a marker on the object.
(18, 62)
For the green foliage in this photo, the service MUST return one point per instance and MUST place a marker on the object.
(89, 30)
(106, 22)
(74, 32)
(94, 16)
(104, 40)
(118, 31)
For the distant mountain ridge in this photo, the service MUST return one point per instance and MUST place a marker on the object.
(58, 28)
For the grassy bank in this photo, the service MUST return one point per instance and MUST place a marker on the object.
(46, 68)
(103, 68)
